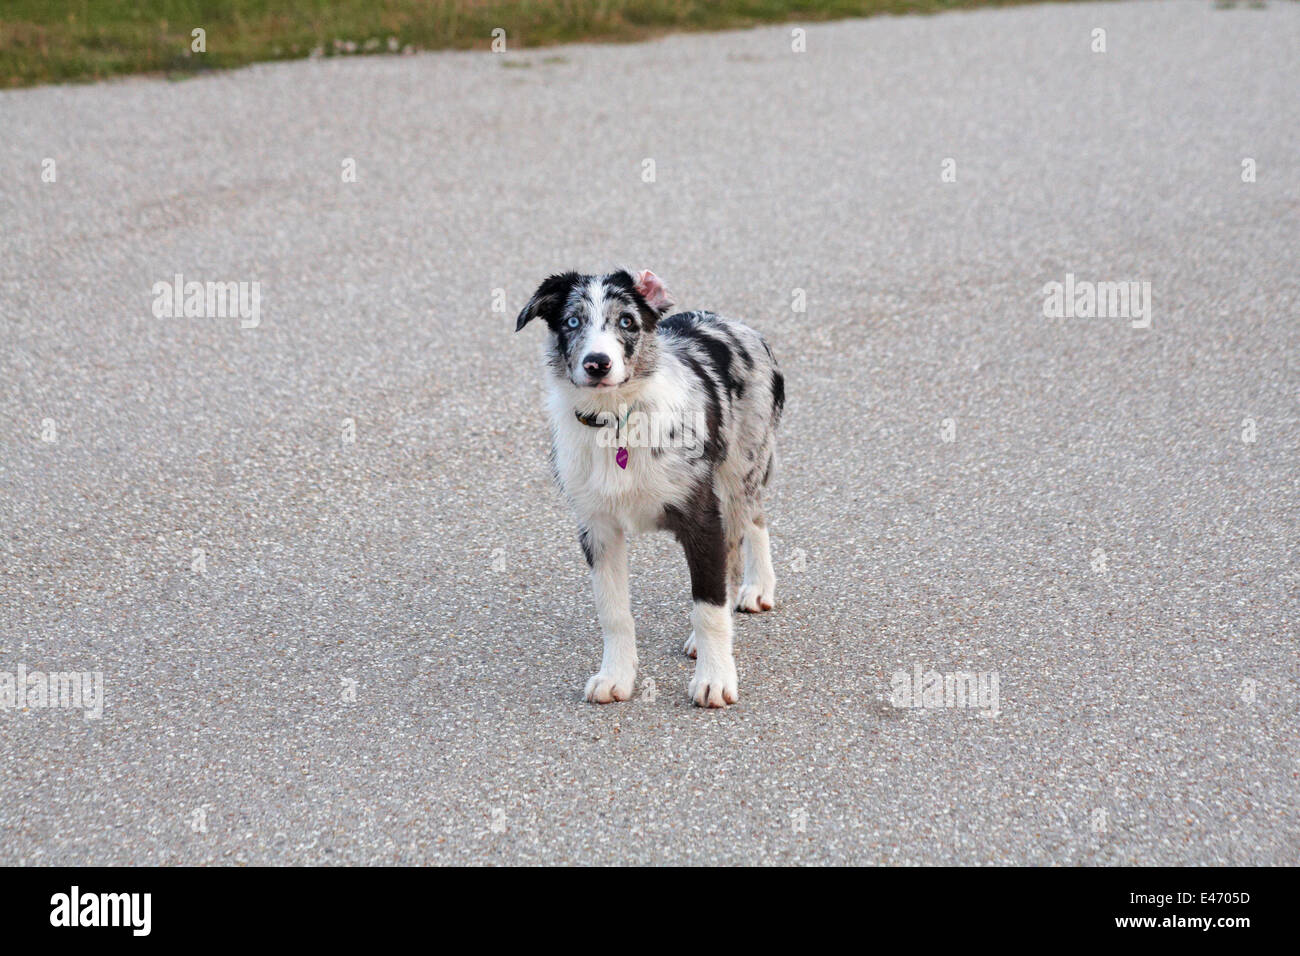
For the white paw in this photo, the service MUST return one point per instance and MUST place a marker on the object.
(603, 688)
(714, 684)
(755, 598)
(689, 647)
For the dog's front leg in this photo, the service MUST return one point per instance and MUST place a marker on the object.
(605, 547)
(715, 683)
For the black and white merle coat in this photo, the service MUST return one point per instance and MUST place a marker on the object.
(710, 394)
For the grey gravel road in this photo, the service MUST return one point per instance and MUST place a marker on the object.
(317, 650)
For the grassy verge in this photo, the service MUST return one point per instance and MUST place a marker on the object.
(53, 41)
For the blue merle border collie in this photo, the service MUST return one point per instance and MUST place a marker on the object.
(614, 354)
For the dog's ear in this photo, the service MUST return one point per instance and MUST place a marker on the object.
(651, 288)
(548, 299)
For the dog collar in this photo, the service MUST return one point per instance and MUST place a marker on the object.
(593, 421)
(598, 421)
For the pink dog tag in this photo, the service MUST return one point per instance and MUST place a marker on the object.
(621, 458)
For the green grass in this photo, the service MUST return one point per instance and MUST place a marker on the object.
(53, 41)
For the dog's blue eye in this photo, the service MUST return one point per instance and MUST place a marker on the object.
(573, 322)
(625, 323)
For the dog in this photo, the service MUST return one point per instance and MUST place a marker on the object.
(661, 422)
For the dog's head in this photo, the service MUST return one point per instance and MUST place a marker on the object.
(602, 327)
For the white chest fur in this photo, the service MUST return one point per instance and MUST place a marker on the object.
(586, 462)
(633, 497)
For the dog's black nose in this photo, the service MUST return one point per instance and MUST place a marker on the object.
(596, 364)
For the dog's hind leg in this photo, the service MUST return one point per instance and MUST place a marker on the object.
(605, 548)
(758, 590)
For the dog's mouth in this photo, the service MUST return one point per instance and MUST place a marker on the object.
(601, 383)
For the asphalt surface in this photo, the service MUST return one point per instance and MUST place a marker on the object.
(1098, 534)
